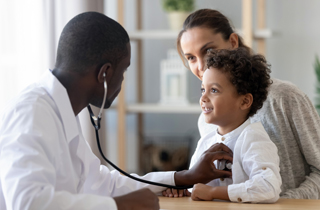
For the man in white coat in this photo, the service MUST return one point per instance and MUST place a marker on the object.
(45, 162)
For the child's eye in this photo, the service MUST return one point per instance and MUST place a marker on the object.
(202, 90)
(214, 90)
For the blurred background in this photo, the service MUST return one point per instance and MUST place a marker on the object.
(151, 140)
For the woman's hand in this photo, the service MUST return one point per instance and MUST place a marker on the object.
(169, 192)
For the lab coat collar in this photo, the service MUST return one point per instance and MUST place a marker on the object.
(60, 96)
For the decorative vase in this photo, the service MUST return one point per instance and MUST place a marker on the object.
(176, 19)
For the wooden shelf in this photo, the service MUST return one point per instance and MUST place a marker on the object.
(153, 34)
(262, 33)
(168, 34)
(160, 108)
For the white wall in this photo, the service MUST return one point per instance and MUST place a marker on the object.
(292, 50)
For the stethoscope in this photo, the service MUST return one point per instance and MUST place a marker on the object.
(96, 124)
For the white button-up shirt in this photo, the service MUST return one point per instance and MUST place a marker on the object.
(255, 170)
(45, 162)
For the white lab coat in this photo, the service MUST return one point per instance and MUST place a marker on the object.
(255, 171)
(45, 162)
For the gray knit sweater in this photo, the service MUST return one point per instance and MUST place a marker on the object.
(293, 125)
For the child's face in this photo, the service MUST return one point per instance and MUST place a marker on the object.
(220, 101)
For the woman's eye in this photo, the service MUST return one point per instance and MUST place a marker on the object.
(208, 50)
(190, 58)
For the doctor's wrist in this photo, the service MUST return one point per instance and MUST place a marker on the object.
(182, 178)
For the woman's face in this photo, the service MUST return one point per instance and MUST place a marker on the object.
(195, 43)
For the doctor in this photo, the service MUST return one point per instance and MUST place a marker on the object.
(45, 162)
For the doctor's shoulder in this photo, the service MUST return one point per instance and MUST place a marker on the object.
(28, 104)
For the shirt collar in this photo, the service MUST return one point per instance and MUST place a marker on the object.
(60, 96)
(236, 132)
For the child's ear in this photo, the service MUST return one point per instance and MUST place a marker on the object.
(246, 102)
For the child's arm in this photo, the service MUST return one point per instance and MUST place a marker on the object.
(256, 168)
(204, 192)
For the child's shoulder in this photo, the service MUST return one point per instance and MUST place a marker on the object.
(254, 126)
(254, 138)
(254, 130)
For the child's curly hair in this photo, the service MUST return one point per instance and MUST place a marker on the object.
(248, 73)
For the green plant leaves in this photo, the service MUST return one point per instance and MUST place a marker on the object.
(317, 70)
(178, 5)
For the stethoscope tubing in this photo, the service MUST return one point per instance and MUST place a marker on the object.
(97, 127)
(96, 124)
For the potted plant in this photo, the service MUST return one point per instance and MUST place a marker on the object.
(317, 72)
(178, 11)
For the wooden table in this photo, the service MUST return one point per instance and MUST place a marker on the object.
(186, 203)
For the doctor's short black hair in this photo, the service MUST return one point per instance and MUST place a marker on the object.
(248, 73)
(91, 39)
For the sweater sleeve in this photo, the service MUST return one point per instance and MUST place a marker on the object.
(305, 123)
(293, 125)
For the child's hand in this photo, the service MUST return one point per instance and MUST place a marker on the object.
(175, 193)
(202, 192)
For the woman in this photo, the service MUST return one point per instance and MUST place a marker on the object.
(287, 115)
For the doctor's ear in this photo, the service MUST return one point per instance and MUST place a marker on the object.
(105, 72)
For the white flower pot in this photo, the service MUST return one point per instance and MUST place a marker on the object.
(176, 19)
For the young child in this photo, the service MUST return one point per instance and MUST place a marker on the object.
(234, 87)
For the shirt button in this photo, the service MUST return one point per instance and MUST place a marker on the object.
(239, 199)
(264, 168)
(222, 179)
(222, 139)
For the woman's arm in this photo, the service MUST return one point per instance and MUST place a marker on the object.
(292, 123)
(305, 124)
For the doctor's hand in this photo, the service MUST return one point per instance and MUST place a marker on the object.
(138, 200)
(174, 193)
(204, 170)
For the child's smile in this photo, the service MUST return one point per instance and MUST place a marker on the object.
(206, 110)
